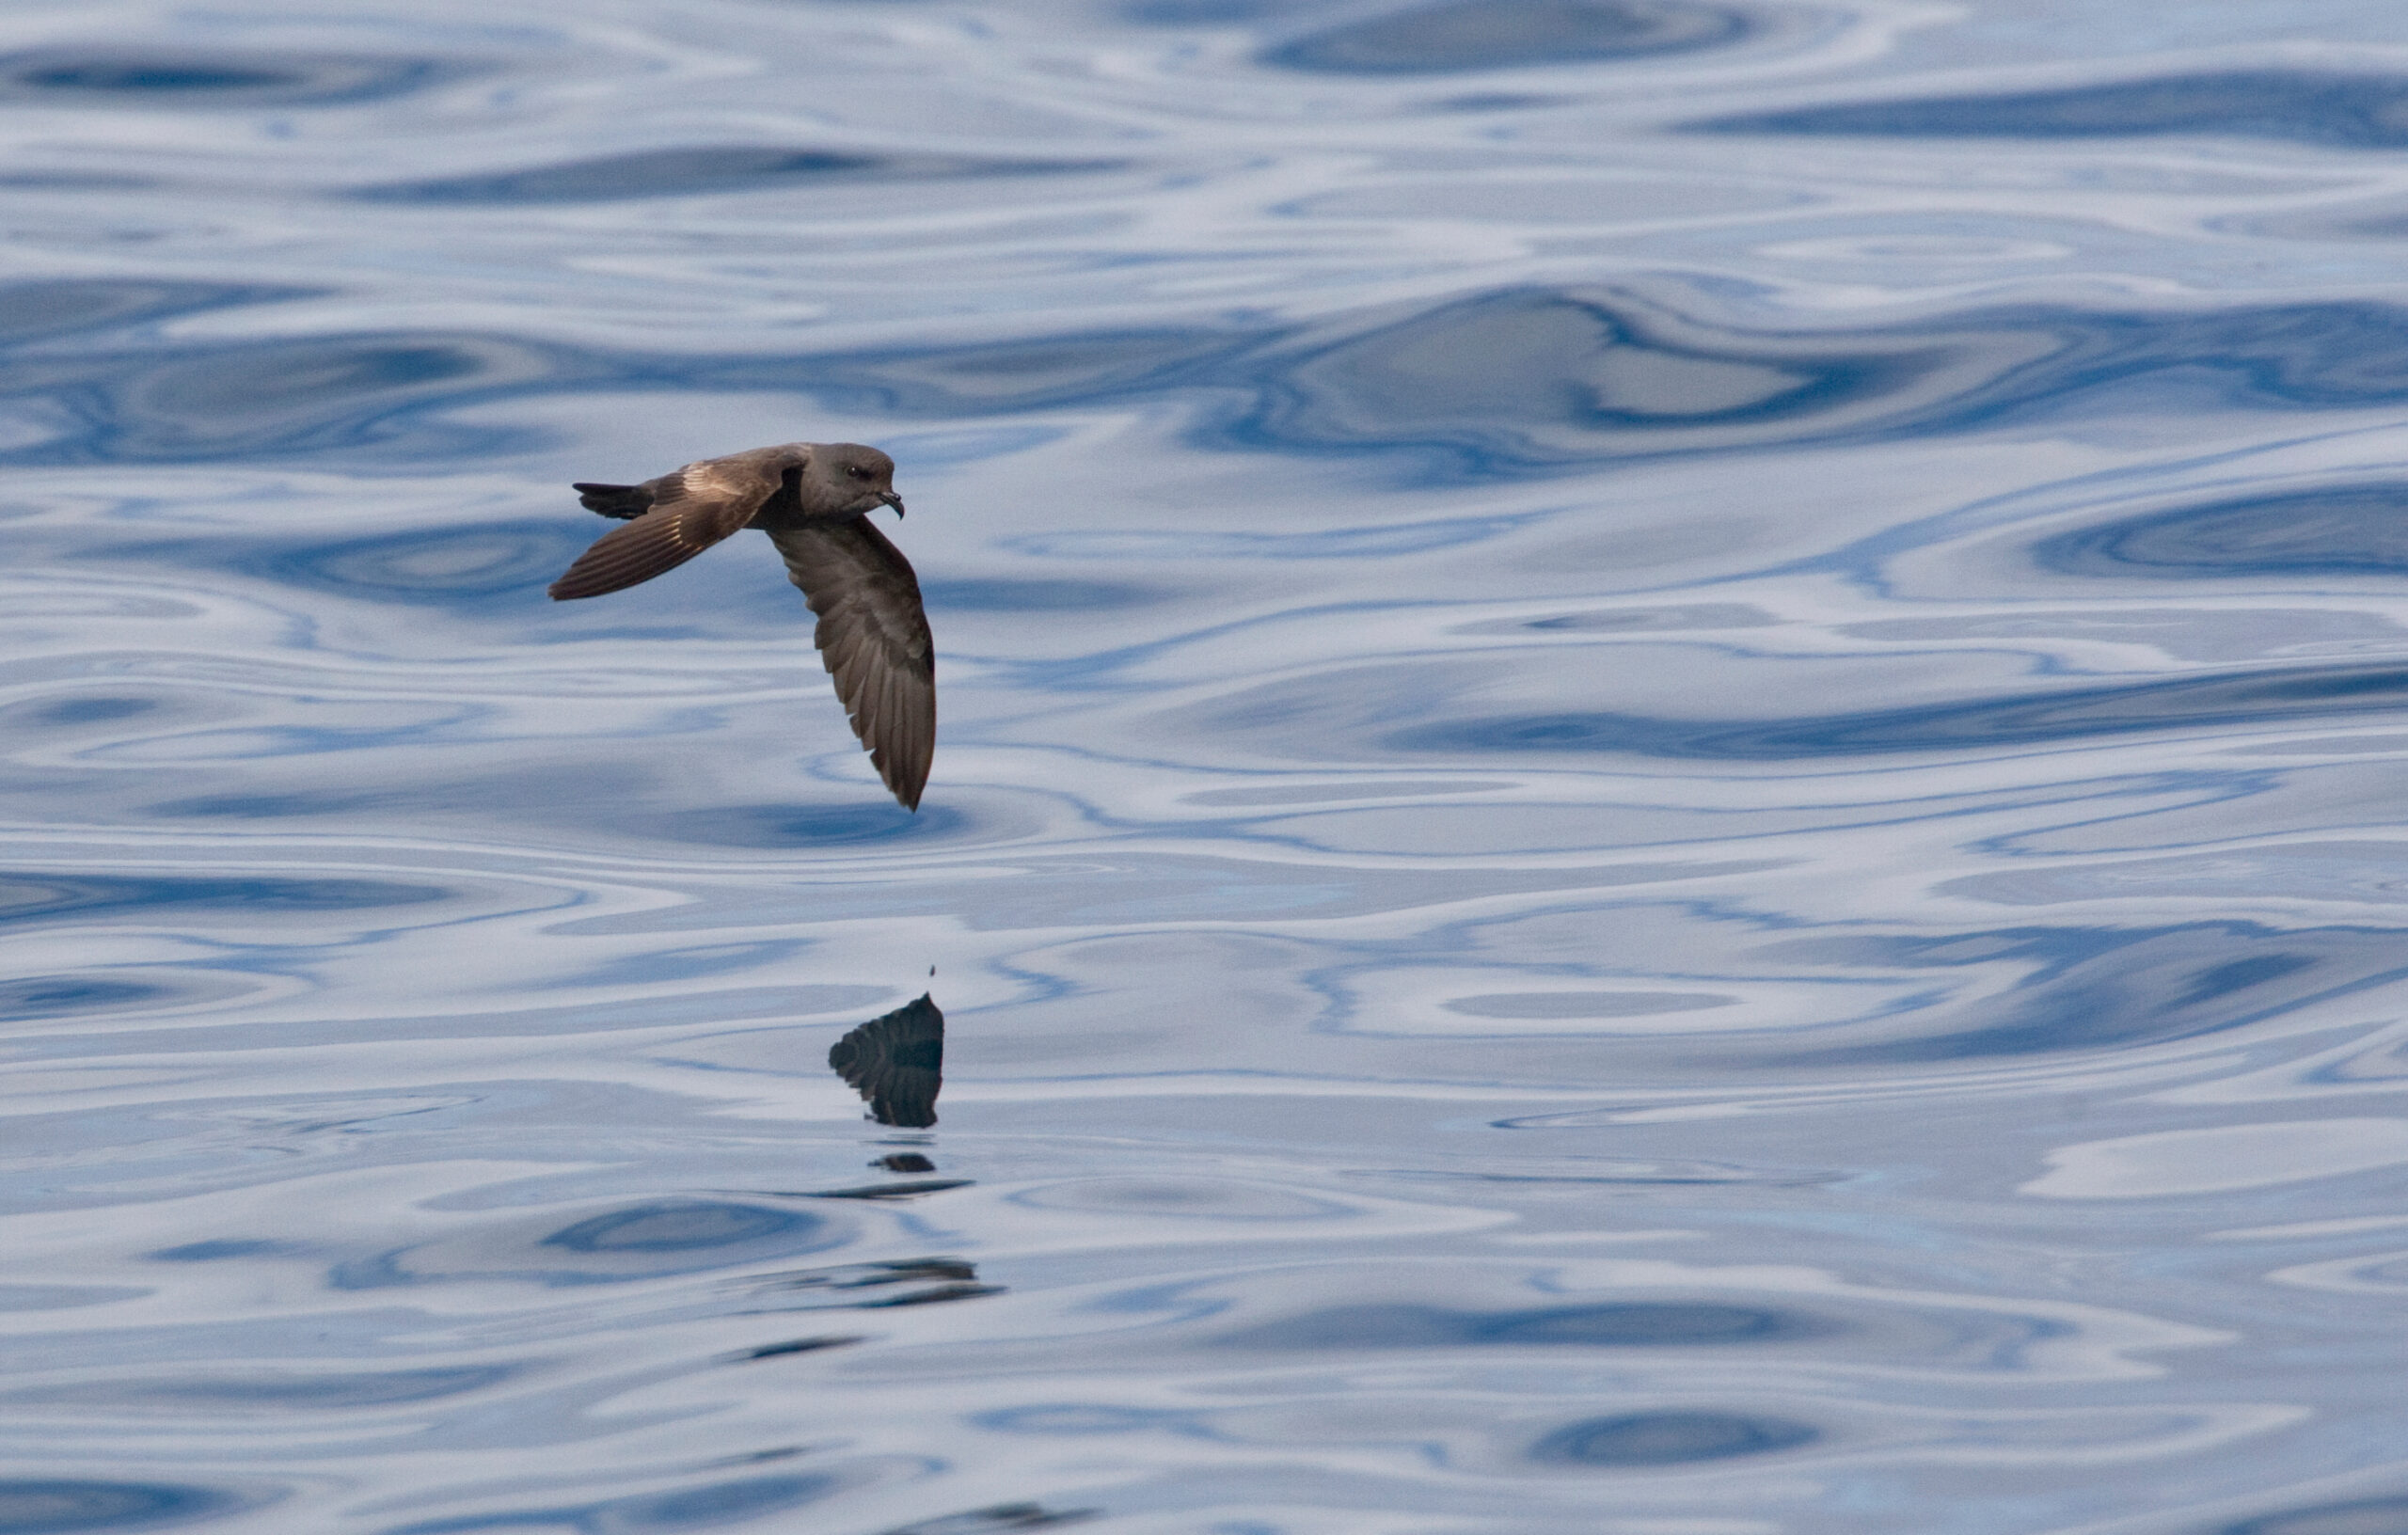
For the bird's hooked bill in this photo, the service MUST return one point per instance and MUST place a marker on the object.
(894, 500)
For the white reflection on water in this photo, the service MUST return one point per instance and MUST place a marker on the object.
(1666, 798)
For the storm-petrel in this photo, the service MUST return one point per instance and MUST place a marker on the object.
(813, 500)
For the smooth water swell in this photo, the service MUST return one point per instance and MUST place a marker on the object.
(1666, 802)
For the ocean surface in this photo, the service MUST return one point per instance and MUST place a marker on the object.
(1672, 746)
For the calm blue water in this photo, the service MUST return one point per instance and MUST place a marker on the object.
(1670, 796)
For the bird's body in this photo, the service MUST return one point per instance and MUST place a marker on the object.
(813, 500)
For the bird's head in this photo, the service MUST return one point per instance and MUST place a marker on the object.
(855, 479)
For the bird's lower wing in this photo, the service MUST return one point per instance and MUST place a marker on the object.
(703, 511)
(873, 636)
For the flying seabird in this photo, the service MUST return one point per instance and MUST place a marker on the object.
(814, 499)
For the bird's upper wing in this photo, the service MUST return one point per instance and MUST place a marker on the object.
(691, 510)
(873, 635)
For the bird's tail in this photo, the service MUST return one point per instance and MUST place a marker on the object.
(621, 501)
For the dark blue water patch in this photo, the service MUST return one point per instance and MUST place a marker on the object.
(679, 1227)
(467, 568)
(221, 1249)
(1516, 382)
(1621, 1324)
(645, 1240)
(89, 711)
(2363, 1516)
(1668, 1439)
(864, 823)
(47, 1506)
(1207, 12)
(1004, 595)
(26, 997)
(269, 807)
(2054, 718)
(1511, 34)
(1495, 101)
(2305, 106)
(187, 78)
(505, 563)
(354, 394)
(148, 75)
(268, 380)
(692, 1508)
(197, 400)
(2336, 531)
(1701, 615)
(1000, 1519)
(273, 1392)
(71, 181)
(2112, 987)
(1513, 382)
(707, 168)
(49, 309)
(1081, 1418)
(41, 896)
(2380, 227)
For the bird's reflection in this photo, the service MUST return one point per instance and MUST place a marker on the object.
(896, 1063)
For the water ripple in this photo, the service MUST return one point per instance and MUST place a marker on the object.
(2330, 531)
(2256, 699)
(1669, 769)
(2353, 110)
(1500, 385)
(183, 79)
(1502, 34)
(705, 168)
(1669, 1439)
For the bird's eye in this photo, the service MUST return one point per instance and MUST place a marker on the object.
(857, 472)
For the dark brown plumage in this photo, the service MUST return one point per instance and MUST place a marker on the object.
(813, 500)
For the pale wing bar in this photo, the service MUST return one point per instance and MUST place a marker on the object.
(675, 529)
(874, 641)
